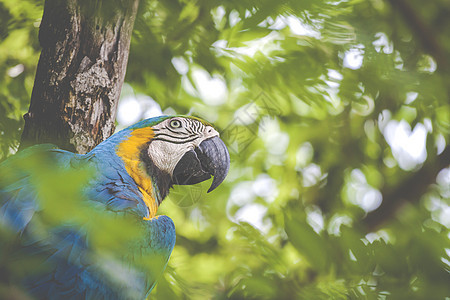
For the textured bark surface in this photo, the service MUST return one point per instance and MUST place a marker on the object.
(85, 46)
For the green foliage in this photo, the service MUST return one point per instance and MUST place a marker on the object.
(61, 206)
(19, 51)
(315, 95)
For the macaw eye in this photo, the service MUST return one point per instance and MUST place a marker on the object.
(175, 124)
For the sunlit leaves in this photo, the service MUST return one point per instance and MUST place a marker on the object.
(19, 52)
(322, 99)
(308, 242)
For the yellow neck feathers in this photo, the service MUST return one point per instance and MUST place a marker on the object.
(129, 150)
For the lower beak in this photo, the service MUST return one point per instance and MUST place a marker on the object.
(211, 158)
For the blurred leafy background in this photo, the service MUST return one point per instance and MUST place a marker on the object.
(337, 118)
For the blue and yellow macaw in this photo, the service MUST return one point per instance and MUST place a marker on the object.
(130, 174)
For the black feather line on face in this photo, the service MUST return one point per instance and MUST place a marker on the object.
(173, 131)
(162, 179)
(175, 142)
(189, 130)
(178, 136)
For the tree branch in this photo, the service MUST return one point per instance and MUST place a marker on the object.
(425, 34)
(410, 190)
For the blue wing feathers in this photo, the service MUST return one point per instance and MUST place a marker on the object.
(70, 270)
(16, 214)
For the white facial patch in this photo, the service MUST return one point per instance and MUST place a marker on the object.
(173, 138)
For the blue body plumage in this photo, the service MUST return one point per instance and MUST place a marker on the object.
(123, 180)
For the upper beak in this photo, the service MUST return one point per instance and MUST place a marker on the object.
(211, 158)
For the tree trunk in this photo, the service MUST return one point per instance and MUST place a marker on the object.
(85, 47)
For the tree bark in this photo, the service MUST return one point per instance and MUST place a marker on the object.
(85, 47)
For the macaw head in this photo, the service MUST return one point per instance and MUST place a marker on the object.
(190, 150)
(172, 150)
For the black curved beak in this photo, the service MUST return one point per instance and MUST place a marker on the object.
(211, 158)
